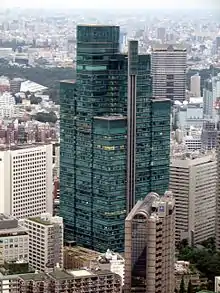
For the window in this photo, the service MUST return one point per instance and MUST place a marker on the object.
(170, 83)
(169, 90)
(170, 76)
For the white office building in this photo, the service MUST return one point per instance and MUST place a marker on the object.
(195, 83)
(169, 72)
(193, 180)
(26, 182)
(45, 242)
(13, 239)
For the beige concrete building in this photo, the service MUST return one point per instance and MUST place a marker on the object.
(61, 281)
(45, 242)
(150, 245)
(193, 183)
(184, 271)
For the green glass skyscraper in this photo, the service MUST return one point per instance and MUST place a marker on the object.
(114, 139)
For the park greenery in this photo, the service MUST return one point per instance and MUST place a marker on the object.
(204, 257)
(46, 117)
(51, 76)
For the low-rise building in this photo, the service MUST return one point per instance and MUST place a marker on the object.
(60, 281)
(14, 240)
(184, 271)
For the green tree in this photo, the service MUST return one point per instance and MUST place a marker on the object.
(46, 117)
(182, 286)
(190, 287)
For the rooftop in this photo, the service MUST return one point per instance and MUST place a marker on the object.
(68, 81)
(34, 277)
(80, 273)
(169, 47)
(59, 274)
(81, 252)
(16, 147)
(41, 221)
(98, 25)
(111, 117)
(32, 87)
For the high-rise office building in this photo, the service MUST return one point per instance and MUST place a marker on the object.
(193, 183)
(161, 34)
(150, 245)
(169, 72)
(209, 135)
(26, 180)
(217, 222)
(45, 242)
(195, 83)
(98, 124)
(208, 102)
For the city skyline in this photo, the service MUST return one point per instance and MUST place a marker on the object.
(99, 4)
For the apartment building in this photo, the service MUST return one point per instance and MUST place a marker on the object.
(13, 239)
(45, 242)
(61, 281)
(26, 182)
(193, 183)
(150, 245)
(169, 71)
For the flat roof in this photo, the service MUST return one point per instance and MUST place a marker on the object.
(81, 252)
(80, 273)
(40, 220)
(111, 117)
(22, 146)
(60, 275)
(160, 99)
(169, 47)
(34, 277)
(68, 81)
(98, 25)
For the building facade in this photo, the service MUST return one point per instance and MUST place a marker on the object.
(45, 242)
(193, 183)
(61, 281)
(95, 163)
(14, 239)
(150, 245)
(26, 180)
(169, 72)
(217, 227)
(195, 84)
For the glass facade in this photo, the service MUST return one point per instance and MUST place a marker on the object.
(160, 145)
(94, 140)
(67, 153)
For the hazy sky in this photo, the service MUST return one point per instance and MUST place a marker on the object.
(111, 4)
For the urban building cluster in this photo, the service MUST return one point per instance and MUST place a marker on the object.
(100, 200)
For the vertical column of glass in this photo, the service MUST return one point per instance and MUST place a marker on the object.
(67, 155)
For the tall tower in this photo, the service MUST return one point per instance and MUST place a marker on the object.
(169, 72)
(115, 139)
(149, 248)
(195, 83)
(193, 183)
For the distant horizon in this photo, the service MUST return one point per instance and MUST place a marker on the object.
(111, 5)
